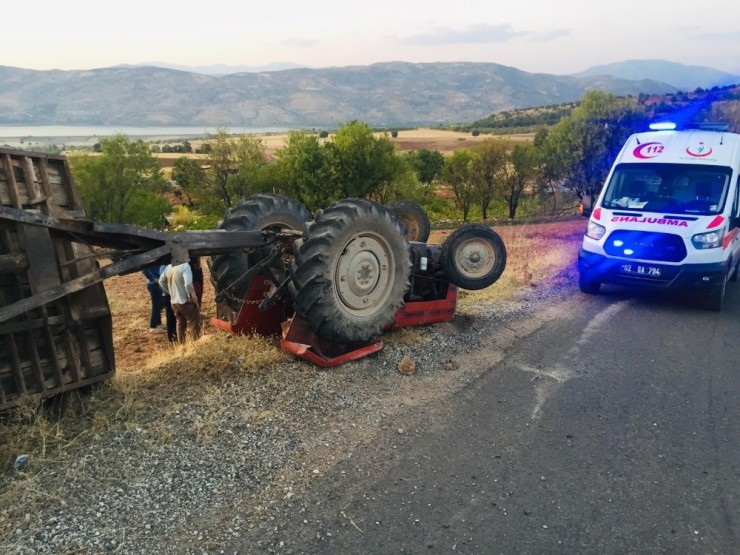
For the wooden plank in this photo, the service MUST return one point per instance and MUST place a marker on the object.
(15, 262)
(54, 358)
(25, 325)
(32, 186)
(12, 185)
(42, 272)
(52, 207)
(38, 371)
(16, 363)
(73, 356)
(73, 194)
(117, 268)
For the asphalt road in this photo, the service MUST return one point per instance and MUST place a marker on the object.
(611, 426)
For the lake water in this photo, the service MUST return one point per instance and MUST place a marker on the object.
(32, 132)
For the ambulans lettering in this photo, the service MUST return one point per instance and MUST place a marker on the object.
(648, 220)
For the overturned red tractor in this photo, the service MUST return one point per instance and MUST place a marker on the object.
(341, 277)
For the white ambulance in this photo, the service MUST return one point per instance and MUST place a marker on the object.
(668, 215)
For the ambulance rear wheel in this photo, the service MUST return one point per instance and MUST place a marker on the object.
(413, 219)
(258, 212)
(351, 271)
(473, 256)
(588, 285)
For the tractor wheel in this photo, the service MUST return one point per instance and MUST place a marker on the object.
(473, 256)
(351, 271)
(413, 219)
(258, 212)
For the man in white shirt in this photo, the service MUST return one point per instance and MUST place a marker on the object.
(177, 282)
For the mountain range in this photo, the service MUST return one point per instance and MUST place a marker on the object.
(390, 94)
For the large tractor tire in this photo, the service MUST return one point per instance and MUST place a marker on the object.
(473, 256)
(351, 271)
(258, 212)
(413, 219)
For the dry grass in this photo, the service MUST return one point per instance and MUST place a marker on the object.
(156, 380)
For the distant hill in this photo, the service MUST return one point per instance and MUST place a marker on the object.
(683, 77)
(385, 94)
(218, 69)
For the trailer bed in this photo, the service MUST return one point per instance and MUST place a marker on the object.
(66, 343)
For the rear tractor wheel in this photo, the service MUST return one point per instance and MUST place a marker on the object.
(351, 271)
(413, 219)
(258, 212)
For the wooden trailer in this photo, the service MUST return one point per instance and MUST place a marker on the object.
(55, 322)
(65, 343)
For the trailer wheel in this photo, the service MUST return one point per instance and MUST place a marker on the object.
(473, 256)
(351, 271)
(258, 212)
(413, 219)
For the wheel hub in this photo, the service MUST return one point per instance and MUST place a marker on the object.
(474, 258)
(363, 276)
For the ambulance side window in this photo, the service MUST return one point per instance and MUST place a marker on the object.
(736, 202)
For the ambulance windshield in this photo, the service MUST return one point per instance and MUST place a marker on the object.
(671, 188)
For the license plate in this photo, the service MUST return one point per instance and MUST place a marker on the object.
(644, 270)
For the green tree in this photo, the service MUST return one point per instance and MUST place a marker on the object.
(362, 162)
(235, 169)
(549, 174)
(457, 174)
(582, 146)
(121, 184)
(404, 184)
(427, 164)
(303, 172)
(188, 174)
(518, 175)
(489, 161)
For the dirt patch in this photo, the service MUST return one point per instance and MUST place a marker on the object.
(135, 348)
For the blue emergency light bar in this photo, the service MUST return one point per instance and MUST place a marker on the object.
(670, 126)
(663, 126)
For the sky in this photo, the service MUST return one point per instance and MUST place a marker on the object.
(542, 36)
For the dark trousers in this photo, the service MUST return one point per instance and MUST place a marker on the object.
(187, 313)
(158, 303)
(171, 320)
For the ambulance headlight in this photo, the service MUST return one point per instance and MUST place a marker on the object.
(709, 240)
(595, 231)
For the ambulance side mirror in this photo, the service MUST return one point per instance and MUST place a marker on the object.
(585, 207)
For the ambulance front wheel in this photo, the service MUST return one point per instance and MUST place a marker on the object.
(716, 298)
(735, 272)
(588, 285)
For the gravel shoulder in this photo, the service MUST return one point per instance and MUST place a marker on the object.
(217, 460)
